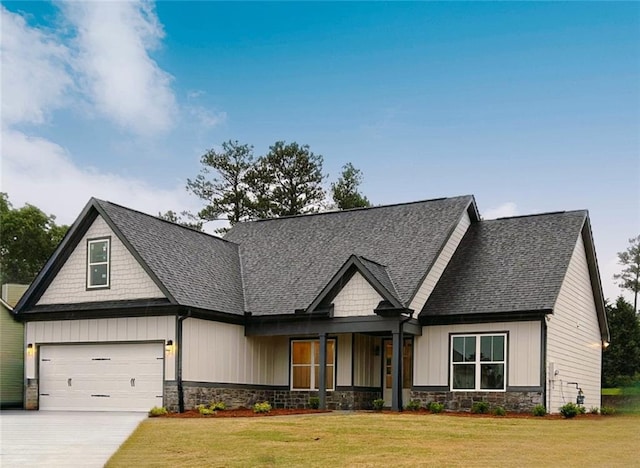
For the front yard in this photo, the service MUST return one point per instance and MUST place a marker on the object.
(374, 439)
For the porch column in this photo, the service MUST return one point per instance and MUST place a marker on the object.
(322, 374)
(396, 372)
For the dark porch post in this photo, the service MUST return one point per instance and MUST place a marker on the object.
(322, 377)
(396, 372)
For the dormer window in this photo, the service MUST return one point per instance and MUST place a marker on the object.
(98, 255)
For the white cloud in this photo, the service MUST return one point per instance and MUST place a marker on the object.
(502, 211)
(34, 71)
(205, 117)
(40, 172)
(123, 82)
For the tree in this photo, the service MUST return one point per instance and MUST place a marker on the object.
(345, 190)
(226, 194)
(182, 219)
(28, 237)
(287, 181)
(630, 276)
(621, 360)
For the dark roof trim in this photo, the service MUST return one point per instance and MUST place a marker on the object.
(347, 270)
(58, 257)
(594, 276)
(472, 210)
(107, 310)
(133, 251)
(514, 316)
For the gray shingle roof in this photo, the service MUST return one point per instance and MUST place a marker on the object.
(381, 273)
(508, 265)
(287, 262)
(197, 269)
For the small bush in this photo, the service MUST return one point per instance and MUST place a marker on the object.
(539, 410)
(413, 405)
(607, 411)
(157, 411)
(499, 411)
(435, 407)
(582, 410)
(594, 410)
(378, 404)
(204, 410)
(218, 406)
(314, 402)
(569, 410)
(480, 407)
(263, 407)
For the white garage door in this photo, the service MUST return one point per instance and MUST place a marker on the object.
(101, 377)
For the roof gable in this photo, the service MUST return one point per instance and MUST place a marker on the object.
(287, 262)
(191, 268)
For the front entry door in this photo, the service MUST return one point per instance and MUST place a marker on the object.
(407, 370)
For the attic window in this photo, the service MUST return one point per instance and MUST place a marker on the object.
(98, 254)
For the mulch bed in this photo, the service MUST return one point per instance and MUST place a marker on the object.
(244, 413)
(248, 413)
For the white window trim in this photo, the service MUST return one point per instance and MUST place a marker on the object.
(477, 363)
(314, 387)
(89, 264)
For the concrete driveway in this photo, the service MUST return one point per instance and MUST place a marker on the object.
(63, 438)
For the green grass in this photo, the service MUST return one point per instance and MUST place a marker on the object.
(374, 439)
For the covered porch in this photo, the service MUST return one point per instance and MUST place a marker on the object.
(348, 358)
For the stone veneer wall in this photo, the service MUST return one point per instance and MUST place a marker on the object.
(31, 395)
(462, 401)
(235, 397)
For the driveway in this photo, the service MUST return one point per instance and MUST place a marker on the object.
(63, 438)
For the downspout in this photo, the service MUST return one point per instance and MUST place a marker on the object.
(179, 359)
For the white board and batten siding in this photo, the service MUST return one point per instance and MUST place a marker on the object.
(366, 361)
(128, 280)
(356, 298)
(574, 346)
(432, 352)
(102, 331)
(430, 281)
(221, 353)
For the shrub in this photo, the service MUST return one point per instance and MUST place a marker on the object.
(569, 410)
(413, 405)
(607, 411)
(582, 410)
(480, 407)
(378, 404)
(435, 407)
(263, 407)
(157, 411)
(314, 402)
(204, 410)
(594, 410)
(499, 411)
(539, 410)
(218, 406)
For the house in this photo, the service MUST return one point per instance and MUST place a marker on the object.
(420, 300)
(11, 348)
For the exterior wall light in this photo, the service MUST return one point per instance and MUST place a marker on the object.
(30, 349)
(169, 346)
(605, 344)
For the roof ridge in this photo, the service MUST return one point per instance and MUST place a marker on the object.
(533, 215)
(164, 220)
(362, 257)
(351, 210)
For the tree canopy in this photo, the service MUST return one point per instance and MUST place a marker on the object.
(185, 219)
(629, 278)
(621, 360)
(226, 194)
(28, 237)
(345, 190)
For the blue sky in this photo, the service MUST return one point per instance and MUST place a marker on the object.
(531, 107)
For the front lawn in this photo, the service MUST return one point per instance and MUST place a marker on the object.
(374, 439)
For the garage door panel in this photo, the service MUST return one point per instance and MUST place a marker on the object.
(110, 377)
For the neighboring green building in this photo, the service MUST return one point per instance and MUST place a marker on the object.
(11, 348)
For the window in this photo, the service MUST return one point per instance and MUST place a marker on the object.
(98, 263)
(305, 364)
(478, 362)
